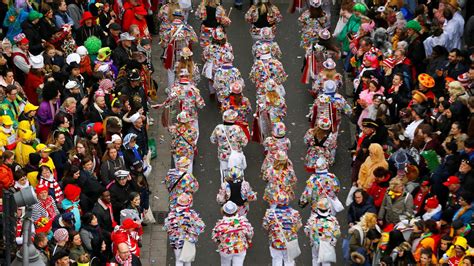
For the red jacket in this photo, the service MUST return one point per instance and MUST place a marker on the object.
(378, 189)
(6, 178)
(31, 85)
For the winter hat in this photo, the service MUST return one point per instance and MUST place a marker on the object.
(414, 25)
(431, 203)
(357, 258)
(230, 116)
(61, 235)
(72, 192)
(129, 224)
(41, 188)
(34, 15)
(229, 207)
(86, 16)
(279, 130)
(20, 39)
(106, 85)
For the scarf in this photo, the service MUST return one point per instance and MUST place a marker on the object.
(109, 208)
(51, 184)
(127, 262)
(48, 206)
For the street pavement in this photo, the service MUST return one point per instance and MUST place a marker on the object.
(206, 168)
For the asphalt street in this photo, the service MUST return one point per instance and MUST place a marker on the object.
(206, 167)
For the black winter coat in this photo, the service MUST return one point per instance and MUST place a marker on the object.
(119, 196)
(357, 210)
(33, 33)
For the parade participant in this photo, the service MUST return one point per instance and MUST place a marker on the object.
(178, 181)
(321, 184)
(187, 62)
(312, 21)
(271, 109)
(226, 75)
(328, 72)
(239, 103)
(178, 36)
(282, 224)
(280, 178)
(262, 14)
(184, 96)
(321, 143)
(165, 16)
(266, 38)
(267, 67)
(237, 190)
(183, 224)
(214, 54)
(323, 230)
(213, 15)
(184, 139)
(233, 235)
(329, 104)
(278, 141)
(315, 57)
(230, 138)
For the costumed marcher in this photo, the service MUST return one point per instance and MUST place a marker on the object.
(233, 235)
(280, 177)
(178, 181)
(330, 105)
(178, 36)
(282, 224)
(230, 138)
(321, 184)
(183, 224)
(186, 62)
(267, 67)
(262, 14)
(165, 16)
(321, 142)
(236, 101)
(184, 139)
(323, 230)
(213, 15)
(265, 40)
(327, 72)
(213, 55)
(312, 21)
(225, 76)
(237, 190)
(278, 141)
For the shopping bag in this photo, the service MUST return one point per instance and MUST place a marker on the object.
(336, 204)
(339, 26)
(207, 69)
(327, 252)
(152, 147)
(349, 196)
(188, 253)
(149, 218)
(237, 159)
(293, 249)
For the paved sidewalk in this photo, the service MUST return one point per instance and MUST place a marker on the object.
(154, 239)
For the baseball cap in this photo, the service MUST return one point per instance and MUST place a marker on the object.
(452, 180)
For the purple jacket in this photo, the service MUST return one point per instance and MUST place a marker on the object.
(45, 114)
